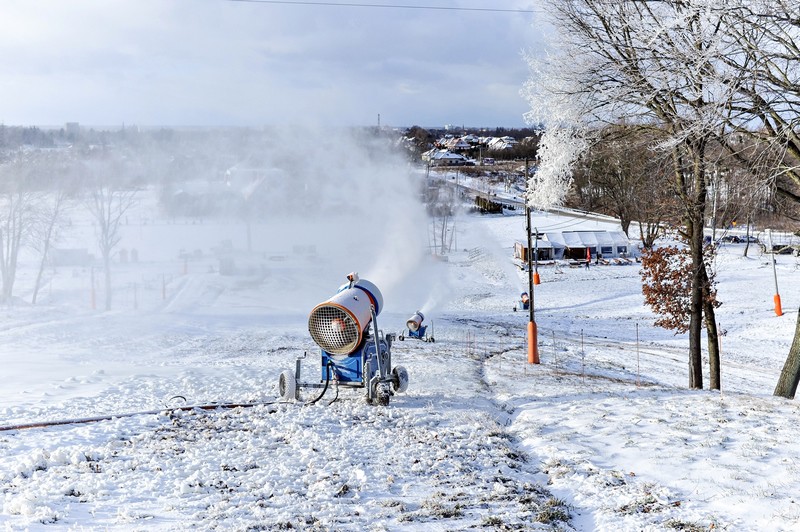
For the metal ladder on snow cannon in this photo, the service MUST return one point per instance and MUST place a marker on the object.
(353, 351)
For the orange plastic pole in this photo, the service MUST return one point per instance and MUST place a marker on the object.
(778, 309)
(536, 279)
(533, 343)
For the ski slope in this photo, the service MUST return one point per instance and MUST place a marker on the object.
(602, 435)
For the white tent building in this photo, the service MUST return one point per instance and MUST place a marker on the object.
(574, 244)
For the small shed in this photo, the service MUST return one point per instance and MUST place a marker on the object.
(544, 250)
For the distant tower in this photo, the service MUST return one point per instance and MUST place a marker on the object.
(379, 120)
(73, 129)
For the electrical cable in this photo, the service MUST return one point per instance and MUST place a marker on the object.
(390, 6)
(324, 388)
(80, 421)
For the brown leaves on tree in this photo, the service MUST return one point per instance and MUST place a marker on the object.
(667, 281)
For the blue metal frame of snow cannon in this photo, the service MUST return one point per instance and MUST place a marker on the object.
(416, 329)
(351, 354)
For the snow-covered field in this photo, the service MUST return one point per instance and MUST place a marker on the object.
(602, 435)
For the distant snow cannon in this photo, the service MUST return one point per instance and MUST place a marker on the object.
(416, 329)
(524, 301)
(352, 353)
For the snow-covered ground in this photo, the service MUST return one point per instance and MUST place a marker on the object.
(602, 435)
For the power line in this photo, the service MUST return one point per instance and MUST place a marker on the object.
(391, 6)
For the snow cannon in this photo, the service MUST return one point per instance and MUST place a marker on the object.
(416, 329)
(415, 321)
(353, 351)
(524, 301)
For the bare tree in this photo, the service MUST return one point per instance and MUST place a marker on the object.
(55, 178)
(51, 215)
(109, 198)
(18, 209)
(628, 179)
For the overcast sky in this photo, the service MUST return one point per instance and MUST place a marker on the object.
(243, 63)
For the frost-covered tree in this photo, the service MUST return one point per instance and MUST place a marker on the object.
(657, 63)
(767, 107)
(769, 34)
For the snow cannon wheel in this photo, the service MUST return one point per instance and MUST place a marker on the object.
(287, 386)
(383, 394)
(399, 379)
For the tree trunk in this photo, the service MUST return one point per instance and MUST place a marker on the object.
(715, 382)
(48, 237)
(626, 224)
(38, 282)
(790, 375)
(747, 236)
(694, 229)
(695, 320)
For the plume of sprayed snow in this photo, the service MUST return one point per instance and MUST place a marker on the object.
(346, 194)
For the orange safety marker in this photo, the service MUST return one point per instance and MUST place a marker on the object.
(533, 344)
(778, 309)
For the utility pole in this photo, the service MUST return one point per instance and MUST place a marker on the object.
(777, 298)
(536, 279)
(533, 340)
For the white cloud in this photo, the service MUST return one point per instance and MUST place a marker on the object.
(187, 62)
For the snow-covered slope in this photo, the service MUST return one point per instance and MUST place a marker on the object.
(602, 435)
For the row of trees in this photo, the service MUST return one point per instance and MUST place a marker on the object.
(38, 189)
(621, 168)
(703, 83)
(45, 175)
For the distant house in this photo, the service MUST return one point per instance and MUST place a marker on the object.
(443, 157)
(543, 249)
(501, 143)
(457, 144)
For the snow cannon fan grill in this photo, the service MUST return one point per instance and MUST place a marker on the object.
(338, 324)
(415, 321)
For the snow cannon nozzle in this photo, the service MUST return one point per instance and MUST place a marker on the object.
(415, 321)
(339, 324)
